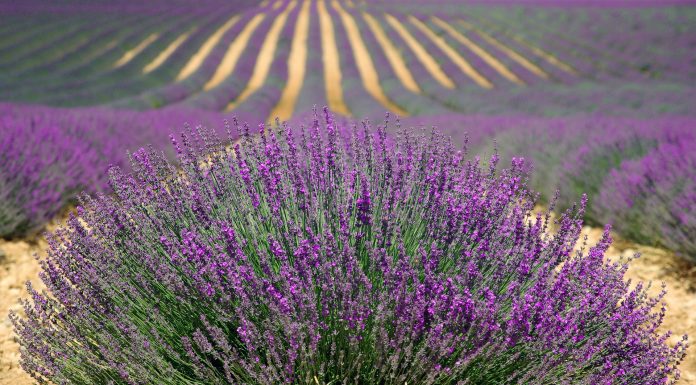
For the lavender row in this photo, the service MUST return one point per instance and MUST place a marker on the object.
(638, 173)
(48, 155)
(611, 98)
(42, 74)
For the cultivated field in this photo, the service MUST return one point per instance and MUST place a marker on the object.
(597, 98)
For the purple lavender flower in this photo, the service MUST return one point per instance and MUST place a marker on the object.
(638, 173)
(653, 198)
(49, 155)
(333, 256)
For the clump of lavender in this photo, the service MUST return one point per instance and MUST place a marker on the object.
(654, 198)
(324, 256)
(41, 167)
(639, 175)
(48, 155)
(585, 170)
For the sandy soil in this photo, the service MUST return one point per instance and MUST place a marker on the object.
(18, 265)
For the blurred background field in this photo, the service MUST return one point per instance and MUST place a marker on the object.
(600, 96)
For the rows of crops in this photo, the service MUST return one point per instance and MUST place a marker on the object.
(358, 60)
(219, 227)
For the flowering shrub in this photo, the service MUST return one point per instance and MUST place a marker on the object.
(48, 155)
(641, 180)
(332, 256)
(590, 164)
(638, 173)
(653, 198)
(41, 166)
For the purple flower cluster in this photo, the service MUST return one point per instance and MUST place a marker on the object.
(49, 155)
(638, 173)
(653, 198)
(41, 166)
(333, 255)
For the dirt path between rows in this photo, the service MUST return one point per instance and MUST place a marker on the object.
(18, 265)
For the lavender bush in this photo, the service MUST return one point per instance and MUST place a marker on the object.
(637, 173)
(641, 179)
(328, 255)
(653, 198)
(40, 167)
(48, 155)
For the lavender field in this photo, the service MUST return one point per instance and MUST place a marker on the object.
(341, 191)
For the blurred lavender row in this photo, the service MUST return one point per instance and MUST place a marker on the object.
(49, 155)
(639, 174)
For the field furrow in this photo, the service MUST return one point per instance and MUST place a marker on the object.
(138, 90)
(359, 102)
(53, 36)
(538, 51)
(553, 48)
(297, 66)
(331, 61)
(476, 49)
(196, 61)
(259, 103)
(530, 79)
(413, 103)
(510, 52)
(71, 55)
(227, 48)
(396, 62)
(131, 81)
(218, 98)
(432, 90)
(451, 53)
(432, 66)
(530, 52)
(17, 36)
(313, 91)
(48, 48)
(98, 74)
(167, 52)
(278, 4)
(97, 69)
(234, 53)
(45, 81)
(265, 58)
(135, 51)
(363, 61)
(614, 62)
